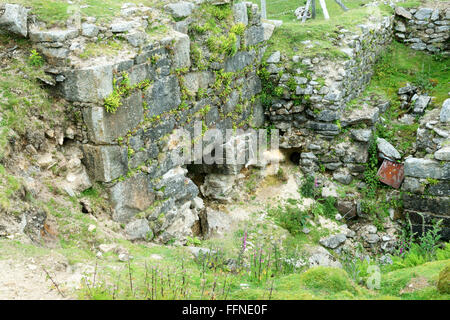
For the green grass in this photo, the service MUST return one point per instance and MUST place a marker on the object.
(416, 3)
(398, 66)
(292, 33)
(55, 12)
(21, 93)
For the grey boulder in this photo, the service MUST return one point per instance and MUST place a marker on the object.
(387, 149)
(14, 19)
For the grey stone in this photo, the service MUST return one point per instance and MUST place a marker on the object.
(181, 51)
(254, 35)
(319, 256)
(14, 19)
(407, 89)
(443, 154)
(54, 56)
(400, 26)
(421, 103)
(343, 177)
(442, 188)
(199, 252)
(240, 13)
(367, 115)
(419, 46)
(164, 95)
(421, 203)
(121, 26)
(217, 223)
(334, 241)
(275, 57)
(87, 85)
(131, 196)
(400, 11)
(425, 168)
(423, 13)
(218, 186)
(106, 127)
(362, 135)
(53, 35)
(174, 184)
(268, 29)
(180, 9)
(322, 126)
(387, 149)
(445, 111)
(105, 163)
(372, 238)
(89, 30)
(412, 185)
(136, 39)
(239, 61)
(199, 80)
(138, 229)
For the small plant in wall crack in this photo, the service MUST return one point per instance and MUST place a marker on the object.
(122, 89)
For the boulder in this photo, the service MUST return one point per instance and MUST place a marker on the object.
(333, 241)
(105, 163)
(106, 127)
(179, 223)
(53, 35)
(343, 176)
(400, 11)
(216, 224)
(89, 30)
(180, 9)
(91, 84)
(362, 135)
(367, 115)
(443, 154)
(445, 111)
(199, 252)
(138, 229)
(130, 197)
(14, 19)
(268, 30)
(321, 257)
(420, 104)
(387, 149)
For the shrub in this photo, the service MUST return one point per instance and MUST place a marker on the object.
(309, 188)
(289, 216)
(331, 280)
(35, 59)
(443, 284)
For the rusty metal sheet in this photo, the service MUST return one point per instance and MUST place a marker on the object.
(391, 173)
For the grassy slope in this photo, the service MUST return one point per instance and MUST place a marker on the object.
(397, 67)
(57, 11)
(21, 94)
(292, 32)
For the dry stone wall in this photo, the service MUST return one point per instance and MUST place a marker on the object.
(311, 108)
(424, 29)
(427, 174)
